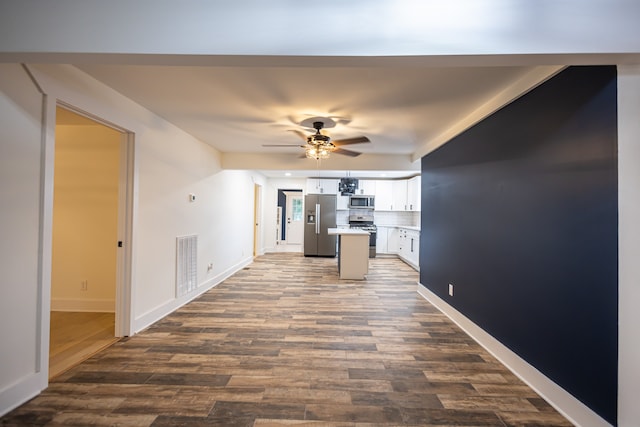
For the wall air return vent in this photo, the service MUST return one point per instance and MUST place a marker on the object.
(186, 264)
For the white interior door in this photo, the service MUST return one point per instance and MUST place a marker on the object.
(294, 214)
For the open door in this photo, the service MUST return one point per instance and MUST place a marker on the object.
(90, 289)
(257, 209)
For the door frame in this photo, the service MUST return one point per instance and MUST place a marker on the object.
(287, 214)
(257, 223)
(126, 210)
(124, 267)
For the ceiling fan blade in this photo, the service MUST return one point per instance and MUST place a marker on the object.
(346, 152)
(347, 141)
(300, 134)
(282, 145)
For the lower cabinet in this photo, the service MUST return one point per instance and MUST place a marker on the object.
(409, 250)
(382, 240)
(401, 241)
(393, 240)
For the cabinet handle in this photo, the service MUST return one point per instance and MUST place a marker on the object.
(412, 244)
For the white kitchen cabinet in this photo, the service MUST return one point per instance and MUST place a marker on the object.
(413, 194)
(413, 243)
(402, 246)
(366, 187)
(393, 240)
(391, 195)
(399, 191)
(322, 186)
(381, 240)
(384, 195)
(342, 202)
(409, 247)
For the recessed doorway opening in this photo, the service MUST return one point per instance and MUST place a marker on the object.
(90, 290)
(290, 221)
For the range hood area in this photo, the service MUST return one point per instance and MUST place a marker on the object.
(348, 186)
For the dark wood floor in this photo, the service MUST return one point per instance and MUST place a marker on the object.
(285, 342)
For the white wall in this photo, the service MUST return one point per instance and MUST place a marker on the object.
(169, 165)
(221, 217)
(85, 219)
(629, 245)
(20, 242)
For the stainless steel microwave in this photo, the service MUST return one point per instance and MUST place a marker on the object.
(361, 202)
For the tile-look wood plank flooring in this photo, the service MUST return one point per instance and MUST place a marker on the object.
(285, 342)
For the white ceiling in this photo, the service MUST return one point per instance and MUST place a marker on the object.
(238, 109)
(408, 74)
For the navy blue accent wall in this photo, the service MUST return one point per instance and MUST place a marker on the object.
(519, 213)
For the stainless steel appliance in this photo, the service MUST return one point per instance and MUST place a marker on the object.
(320, 215)
(365, 222)
(361, 202)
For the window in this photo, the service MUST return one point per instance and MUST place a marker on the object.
(296, 209)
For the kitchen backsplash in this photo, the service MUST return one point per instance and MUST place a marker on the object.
(385, 218)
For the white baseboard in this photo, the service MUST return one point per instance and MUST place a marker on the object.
(23, 390)
(573, 409)
(83, 305)
(409, 263)
(155, 314)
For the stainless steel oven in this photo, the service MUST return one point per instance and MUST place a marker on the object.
(365, 222)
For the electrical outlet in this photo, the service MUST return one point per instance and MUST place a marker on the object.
(84, 285)
(209, 266)
(450, 289)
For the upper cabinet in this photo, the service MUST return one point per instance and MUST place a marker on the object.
(398, 195)
(384, 196)
(322, 186)
(392, 195)
(413, 194)
(366, 187)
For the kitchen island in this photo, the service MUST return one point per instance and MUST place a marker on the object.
(353, 252)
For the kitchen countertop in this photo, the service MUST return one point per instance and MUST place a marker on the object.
(349, 231)
(407, 227)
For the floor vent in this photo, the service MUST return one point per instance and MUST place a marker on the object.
(186, 264)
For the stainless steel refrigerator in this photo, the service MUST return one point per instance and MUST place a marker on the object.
(320, 210)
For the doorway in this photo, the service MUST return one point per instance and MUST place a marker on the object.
(257, 209)
(295, 226)
(88, 268)
(290, 220)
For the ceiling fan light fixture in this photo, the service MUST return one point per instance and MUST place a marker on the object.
(319, 146)
(317, 152)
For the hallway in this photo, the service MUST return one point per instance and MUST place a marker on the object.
(285, 342)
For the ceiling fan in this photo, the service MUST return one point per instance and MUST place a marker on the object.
(318, 146)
